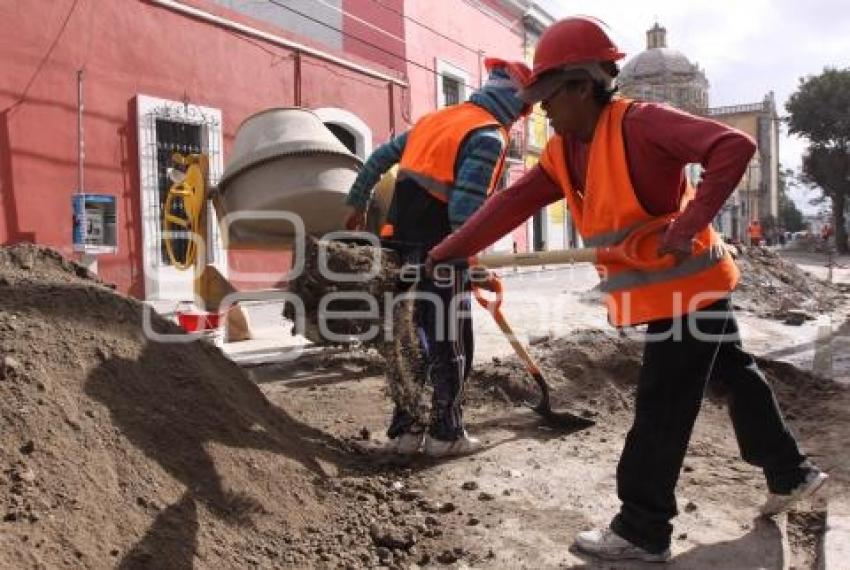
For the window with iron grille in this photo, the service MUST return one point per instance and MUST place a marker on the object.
(451, 90)
(166, 127)
(452, 83)
(515, 147)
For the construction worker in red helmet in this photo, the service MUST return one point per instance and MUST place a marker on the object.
(449, 162)
(620, 164)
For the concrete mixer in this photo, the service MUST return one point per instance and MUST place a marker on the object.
(288, 173)
(285, 164)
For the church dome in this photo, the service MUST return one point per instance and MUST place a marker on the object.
(664, 74)
(658, 62)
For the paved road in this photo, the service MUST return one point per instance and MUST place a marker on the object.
(556, 302)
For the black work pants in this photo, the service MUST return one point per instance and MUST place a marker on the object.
(670, 389)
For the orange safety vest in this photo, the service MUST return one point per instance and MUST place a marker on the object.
(432, 147)
(609, 210)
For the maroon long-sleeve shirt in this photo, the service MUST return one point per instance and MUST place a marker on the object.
(660, 141)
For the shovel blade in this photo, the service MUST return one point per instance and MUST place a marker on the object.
(563, 420)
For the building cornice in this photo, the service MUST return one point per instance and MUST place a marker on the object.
(516, 7)
(276, 39)
(537, 18)
(741, 109)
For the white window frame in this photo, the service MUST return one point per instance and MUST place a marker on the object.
(446, 69)
(514, 141)
(351, 123)
(164, 283)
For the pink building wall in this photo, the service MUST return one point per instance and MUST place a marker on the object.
(379, 24)
(129, 48)
(464, 23)
(467, 25)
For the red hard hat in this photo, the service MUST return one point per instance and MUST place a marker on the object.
(573, 41)
(518, 70)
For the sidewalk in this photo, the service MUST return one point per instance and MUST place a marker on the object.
(554, 302)
(836, 541)
(273, 340)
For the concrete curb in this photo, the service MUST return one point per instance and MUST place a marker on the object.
(269, 352)
(781, 522)
(836, 538)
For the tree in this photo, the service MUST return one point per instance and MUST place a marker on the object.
(790, 216)
(820, 111)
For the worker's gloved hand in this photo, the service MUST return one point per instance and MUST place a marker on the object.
(484, 279)
(355, 219)
(679, 246)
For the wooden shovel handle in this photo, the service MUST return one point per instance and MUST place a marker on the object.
(496, 260)
(625, 252)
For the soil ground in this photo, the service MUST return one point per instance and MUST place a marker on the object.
(520, 502)
(122, 452)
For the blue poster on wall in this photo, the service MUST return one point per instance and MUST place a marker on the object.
(94, 227)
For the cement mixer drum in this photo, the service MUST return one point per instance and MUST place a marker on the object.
(285, 163)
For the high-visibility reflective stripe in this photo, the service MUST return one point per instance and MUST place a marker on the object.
(440, 190)
(497, 172)
(609, 238)
(631, 279)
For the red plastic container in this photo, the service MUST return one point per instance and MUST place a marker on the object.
(196, 321)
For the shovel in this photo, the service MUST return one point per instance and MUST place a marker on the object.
(626, 253)
(560, 420)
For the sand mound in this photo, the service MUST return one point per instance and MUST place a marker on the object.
(590, 373)
(594, 373)
(771, 286)
(335, 276)
(120, 451)
(811, 244)
(391, 311)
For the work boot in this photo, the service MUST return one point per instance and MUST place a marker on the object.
(777, 503)
(448, 448)
(405, 444)
(606, 544)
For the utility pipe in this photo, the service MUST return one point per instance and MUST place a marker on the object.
(81, 148)
(296, 61)
(273, 38)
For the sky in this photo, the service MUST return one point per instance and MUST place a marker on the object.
(746, 48)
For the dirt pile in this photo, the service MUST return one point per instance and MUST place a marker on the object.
(595, 373)
(773, 287)
(116, 450)
(364, 280)
(810, 244)
(519, 502)
(339, 278)
(592, 372)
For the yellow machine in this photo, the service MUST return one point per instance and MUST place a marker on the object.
(287, 176)
(184, 217)
(185, 233)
